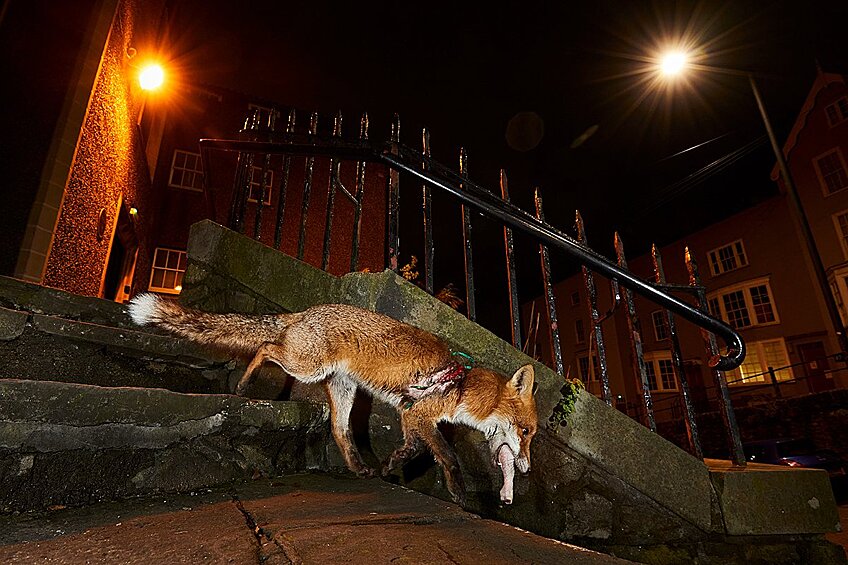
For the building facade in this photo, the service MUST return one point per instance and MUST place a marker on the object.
(108, 182)
(758, 278)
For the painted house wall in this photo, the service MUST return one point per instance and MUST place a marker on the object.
(108, 165)
(775, 253)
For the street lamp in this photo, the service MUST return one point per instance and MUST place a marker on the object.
(151, 77)
(671, 65)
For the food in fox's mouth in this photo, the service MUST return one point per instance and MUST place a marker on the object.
(506, 461)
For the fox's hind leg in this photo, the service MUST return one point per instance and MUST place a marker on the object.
(266, 352)
(341, 391)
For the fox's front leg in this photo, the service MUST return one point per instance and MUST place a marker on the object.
(342, 391)
(412, 446)
(445, 457)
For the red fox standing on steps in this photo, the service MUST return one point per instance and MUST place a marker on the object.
(347, 348)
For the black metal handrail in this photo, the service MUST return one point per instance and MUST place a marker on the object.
(408, 160)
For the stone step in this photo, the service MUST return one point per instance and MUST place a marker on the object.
(64, 444)
(16, 294)
(47, 334)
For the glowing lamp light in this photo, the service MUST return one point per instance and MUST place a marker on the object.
(133, 211)
(151, 77)
(673, 63)
(178, 288)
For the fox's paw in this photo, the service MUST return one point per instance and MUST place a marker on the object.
(459, 498)
(365, 472)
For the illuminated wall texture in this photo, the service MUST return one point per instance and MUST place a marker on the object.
(109, 162)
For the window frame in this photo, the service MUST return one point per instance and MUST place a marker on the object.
(841, 116)
(586, 378)
(822, 182)
(716, 268)
(196, 172)
(182, 259)
(255, 183)
(745, 287)
(652, 359)
(736, 377)
(663, 324)
(579, 331)
(842, 235)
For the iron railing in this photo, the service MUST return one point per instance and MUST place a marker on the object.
(262, 141)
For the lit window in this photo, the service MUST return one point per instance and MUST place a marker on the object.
(762, 355)
(837, 112)
(186, 171)
(660, 325)
(745, 305)
(169, 266)
(256, 188)
(660, 371)
(831, 171)
(727, 258)
(579, 331)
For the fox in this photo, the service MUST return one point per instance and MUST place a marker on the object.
(346, 348)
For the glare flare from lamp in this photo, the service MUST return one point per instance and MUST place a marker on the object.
(151, 77)
(673, 63)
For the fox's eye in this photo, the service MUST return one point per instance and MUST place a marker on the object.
(524, 431)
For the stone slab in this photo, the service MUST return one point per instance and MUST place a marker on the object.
(772, 499)
(152, 345)
(12, 323)
(20, 295)
(72, 444)
(650, 463)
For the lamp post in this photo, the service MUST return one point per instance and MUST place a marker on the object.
(675, 63)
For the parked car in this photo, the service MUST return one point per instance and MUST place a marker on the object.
(794, 452)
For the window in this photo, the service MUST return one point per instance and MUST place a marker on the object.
(837, 112)
(186, 171)
(660, 371)
(727, 258)
(660, 325)
(579, 331)
(255, 188)
(840, 222)
(746, 305)
(583, 368)
(831, 171)
(169, 266)
(762, 355)
(575, 298)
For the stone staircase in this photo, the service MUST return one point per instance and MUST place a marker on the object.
(92, 409)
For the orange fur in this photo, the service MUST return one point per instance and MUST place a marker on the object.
(349, 348)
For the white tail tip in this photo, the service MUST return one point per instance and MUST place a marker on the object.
(143, 308)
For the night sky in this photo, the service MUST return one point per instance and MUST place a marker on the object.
(557, 93)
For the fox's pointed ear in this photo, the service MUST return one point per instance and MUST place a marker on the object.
(522, 380)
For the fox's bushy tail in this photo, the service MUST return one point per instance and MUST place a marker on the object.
(235, 334)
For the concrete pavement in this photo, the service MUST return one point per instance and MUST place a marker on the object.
(310, 518)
